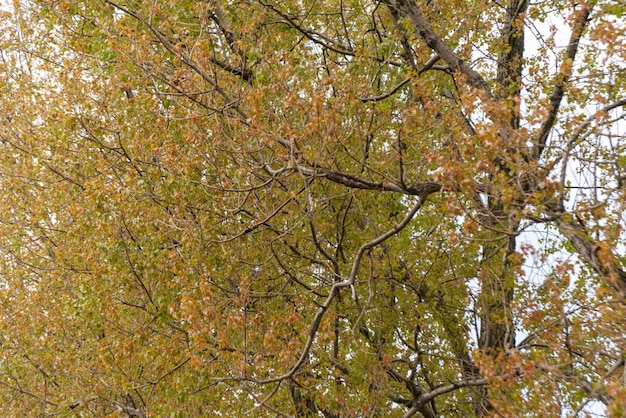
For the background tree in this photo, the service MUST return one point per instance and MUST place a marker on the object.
(312, 208)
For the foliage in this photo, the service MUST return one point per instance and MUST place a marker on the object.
(312, 208)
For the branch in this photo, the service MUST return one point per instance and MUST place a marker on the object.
(596, 393)
(386, 95)
(184, 57)
(510, 62)
(427, 397)
(244, 73)
(593, 117)
(327, 43)
(169, 372)
(258, 224)
(596, 254)
(427, 34)
(417, 391)
(217, 15)
(564, 75)
(334, 291)
(572, 142)
(421, 189)
(264, 402)
(427, 66)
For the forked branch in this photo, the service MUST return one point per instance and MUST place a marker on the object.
(423, 29)
(337, 287)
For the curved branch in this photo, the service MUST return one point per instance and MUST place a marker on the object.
(427, 397)
(386, 95)
(321, 39)
(593, 117)
(334, 291)
(427, 66)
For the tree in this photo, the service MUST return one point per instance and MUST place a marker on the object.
(312, 208)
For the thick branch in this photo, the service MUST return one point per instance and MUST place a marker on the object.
(595, 254)
(510, 62)
(563, 77)
(217, 14)
(422, 189)
(425, 32)
(427, 397)
(218, 17)
(245, 73)
(511, 59)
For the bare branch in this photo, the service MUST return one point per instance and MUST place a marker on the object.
(590, 119)
(572, 142)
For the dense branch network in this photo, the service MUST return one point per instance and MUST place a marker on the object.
(283, 151)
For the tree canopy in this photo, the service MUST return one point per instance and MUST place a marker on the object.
(312, 208)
